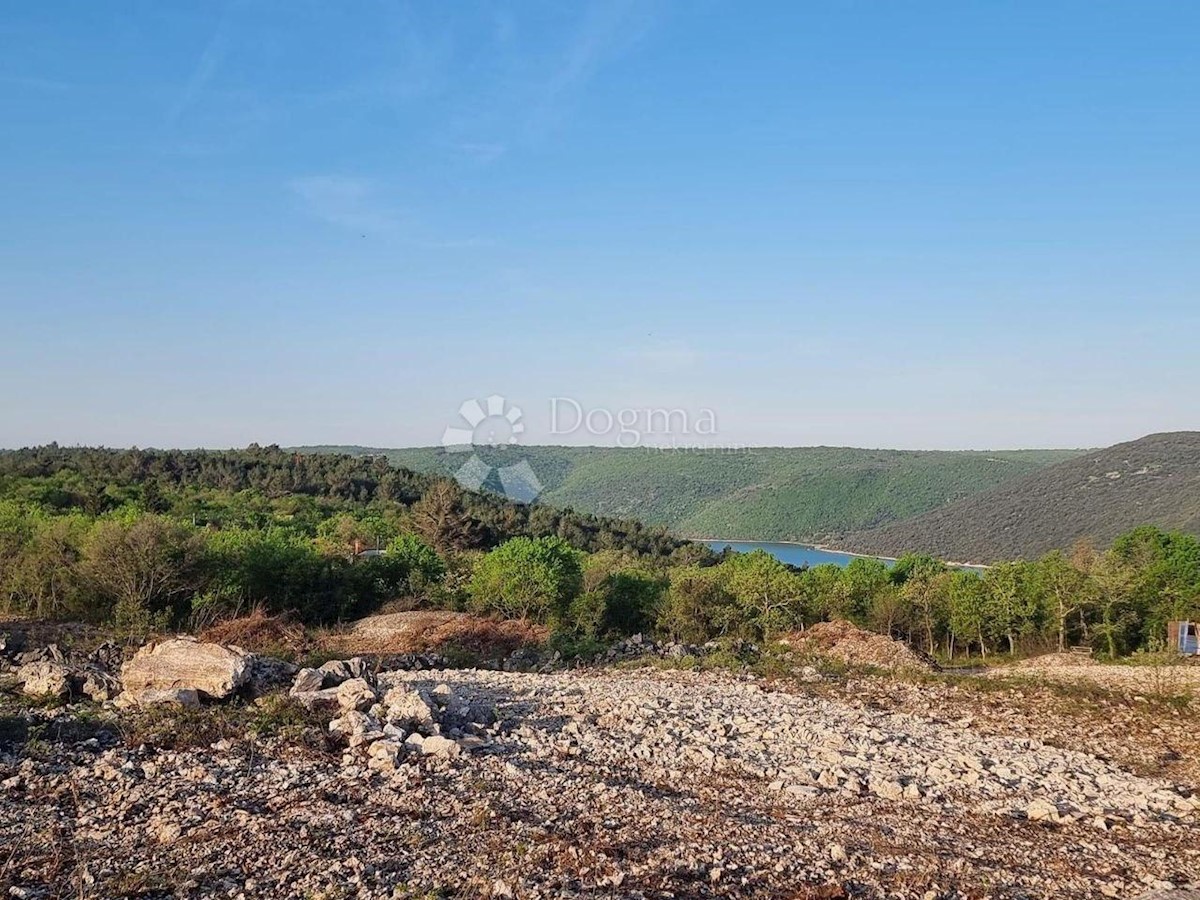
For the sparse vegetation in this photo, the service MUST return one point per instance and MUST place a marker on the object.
(240, 723)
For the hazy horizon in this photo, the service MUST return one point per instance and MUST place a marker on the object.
(517, 447)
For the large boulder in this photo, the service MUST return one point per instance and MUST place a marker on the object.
(211, 670)
(160, 697)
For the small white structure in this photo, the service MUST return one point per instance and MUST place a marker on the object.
(1182, 636)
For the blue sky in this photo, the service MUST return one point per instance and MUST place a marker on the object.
(952, 224)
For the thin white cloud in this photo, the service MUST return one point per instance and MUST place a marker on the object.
(344, 201)
(606, 29)
(667, 355)
(530, 93)
(211, 58)
(482, 152)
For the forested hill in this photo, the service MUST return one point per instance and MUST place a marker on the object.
(1097, 496)
(263, 487)
(763, 493)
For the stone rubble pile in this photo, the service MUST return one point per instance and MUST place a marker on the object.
(799, 747)
(58, 679)
(846, 643)
(638, 646)
(182, 671)
(49, 671)
(382, 724)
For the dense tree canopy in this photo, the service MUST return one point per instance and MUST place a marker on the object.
(153, 537)
(147, 539)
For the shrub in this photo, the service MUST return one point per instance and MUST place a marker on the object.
(528, 578)
(695, 606)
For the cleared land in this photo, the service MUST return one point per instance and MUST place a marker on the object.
(614, 781)
(1149, 680)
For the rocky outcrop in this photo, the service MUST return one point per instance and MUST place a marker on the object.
(212, 671)
(58, 679)
(42, 679)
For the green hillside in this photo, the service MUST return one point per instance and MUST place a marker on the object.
(763, 493)
(1094, 497)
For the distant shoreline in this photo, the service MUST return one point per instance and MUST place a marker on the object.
(826, 549)
(821, 547)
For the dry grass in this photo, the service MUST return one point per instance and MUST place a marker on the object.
(272, 717)
(424, 631)
(258, 632)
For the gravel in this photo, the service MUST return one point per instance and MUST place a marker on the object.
(610, 783)
(1169, 679)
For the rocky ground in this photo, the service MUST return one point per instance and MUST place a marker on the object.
(1154, 738)
(1151, 679)
(607, 782)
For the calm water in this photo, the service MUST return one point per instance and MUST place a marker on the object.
(795, 554)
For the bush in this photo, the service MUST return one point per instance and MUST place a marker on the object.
(695, 605)
(414, 565)
(528, 578)
(273, 568)
(586, 616)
